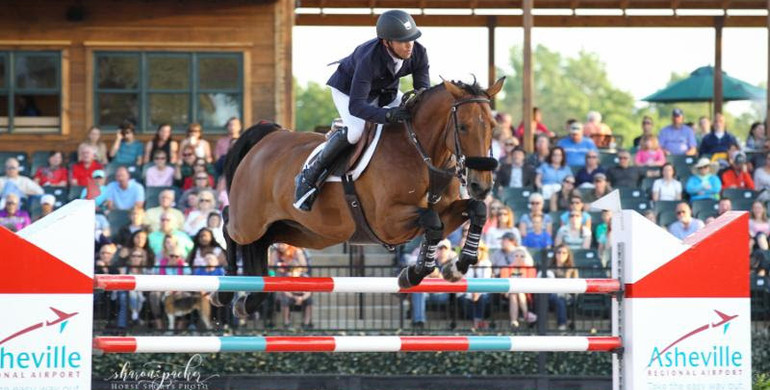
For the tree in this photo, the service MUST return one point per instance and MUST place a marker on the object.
(313, 106)
(567, 88)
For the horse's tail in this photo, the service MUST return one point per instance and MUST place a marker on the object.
(245, 142)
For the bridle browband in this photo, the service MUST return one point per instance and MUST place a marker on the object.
(440, 177)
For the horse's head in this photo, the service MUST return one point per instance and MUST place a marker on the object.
(469, 133)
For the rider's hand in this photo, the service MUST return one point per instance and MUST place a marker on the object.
(397, 114)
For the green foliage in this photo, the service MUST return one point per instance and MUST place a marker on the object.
(313, 106)
(567, 88)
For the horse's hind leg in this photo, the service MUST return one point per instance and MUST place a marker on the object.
(223, 298)
(254, 264)
(426, 260)
(477, 213)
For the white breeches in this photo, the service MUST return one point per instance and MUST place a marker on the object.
(355, 125)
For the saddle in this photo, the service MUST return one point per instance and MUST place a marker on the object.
(348, 160)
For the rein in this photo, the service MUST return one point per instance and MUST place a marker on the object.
(440, 178)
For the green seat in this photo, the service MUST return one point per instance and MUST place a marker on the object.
(516, 196)
(647, 184)
(608, 159)
(739, 194)
(666, 217)
(639, 204)
(704, 208)
(74, 192)
(665, 206)
(631, 193)
(118, 219)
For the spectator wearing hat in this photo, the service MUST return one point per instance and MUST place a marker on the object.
(624, 174)
(47, 204)
(576, 146)
(677, 138)
(503, 257)
(536, 205)
(737, 175)
(703, 184)
(81, 172)
(124, 193)
(601, 188)
(685, 224)
(12, 216)
(719, 140)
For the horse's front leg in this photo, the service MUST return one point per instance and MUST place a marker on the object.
(426, 260)
(476, 211)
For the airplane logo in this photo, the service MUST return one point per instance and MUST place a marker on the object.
(61, 318)
(724, 319)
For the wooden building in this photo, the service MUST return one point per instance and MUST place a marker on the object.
(68, 65)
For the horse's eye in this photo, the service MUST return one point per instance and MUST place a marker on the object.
(463, 128)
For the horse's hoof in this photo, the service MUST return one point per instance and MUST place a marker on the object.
(221, 299)
(404, 279)
(450, 272)
(239, 308)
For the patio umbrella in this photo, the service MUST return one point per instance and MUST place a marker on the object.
(699, 87)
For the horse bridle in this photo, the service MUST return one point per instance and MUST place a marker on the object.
(440, 177)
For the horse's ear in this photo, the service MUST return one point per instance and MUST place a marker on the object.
(494, 89)
(456, 91)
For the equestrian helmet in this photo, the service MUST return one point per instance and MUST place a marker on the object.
(397, 25)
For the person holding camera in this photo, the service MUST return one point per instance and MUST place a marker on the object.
(126, 150)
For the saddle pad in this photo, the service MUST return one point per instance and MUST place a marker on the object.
(363, 162)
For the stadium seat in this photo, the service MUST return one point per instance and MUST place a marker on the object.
(607, 159)
(704, 208)
(738, 194)
(647, 184)
(118, 219)
(74, 192)
(631, 193)
(666, 217)
(40, 159)
(639, 204)
(60, 193)
(662, 206)
(516, 196)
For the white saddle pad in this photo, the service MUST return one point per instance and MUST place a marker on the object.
(363, 162)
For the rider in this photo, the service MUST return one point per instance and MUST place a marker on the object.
(365, 88)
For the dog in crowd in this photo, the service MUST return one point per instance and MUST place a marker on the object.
(179, 304)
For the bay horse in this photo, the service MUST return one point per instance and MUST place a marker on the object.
(451, 130)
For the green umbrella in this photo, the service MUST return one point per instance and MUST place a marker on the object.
(699, 87)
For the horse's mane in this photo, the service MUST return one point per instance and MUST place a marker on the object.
(414, 101)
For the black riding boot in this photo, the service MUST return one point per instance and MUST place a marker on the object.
(309, 181)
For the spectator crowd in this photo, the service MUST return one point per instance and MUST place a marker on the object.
(159, 207)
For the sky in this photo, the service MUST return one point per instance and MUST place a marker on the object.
(638, 60)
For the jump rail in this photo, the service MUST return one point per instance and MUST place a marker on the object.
(349, 285)
(354, 344)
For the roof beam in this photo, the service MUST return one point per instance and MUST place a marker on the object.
(550, 4)
(540, 20)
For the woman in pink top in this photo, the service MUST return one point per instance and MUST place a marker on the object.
(160, 174)
(759, 227)
(650, 154)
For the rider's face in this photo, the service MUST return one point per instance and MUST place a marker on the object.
(402, 49)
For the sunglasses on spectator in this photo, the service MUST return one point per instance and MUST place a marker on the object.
(205, 200)
(106, 253)
(622, 157)
(592, 156)
(9, 202)
(569, 181)
(535, 202)
(561, 252)
(574, 216)
(646, 123)
(175, 256)
(575, 202)
(11, 168)
(137, 255)
(160, 158)
(678, 212)
(187, 154)
(201, 178)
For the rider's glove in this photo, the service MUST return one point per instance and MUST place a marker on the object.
(397, 114)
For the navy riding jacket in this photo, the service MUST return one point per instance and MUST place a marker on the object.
(367, 74)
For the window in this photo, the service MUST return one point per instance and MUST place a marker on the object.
(30, 92)
(151, 88)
